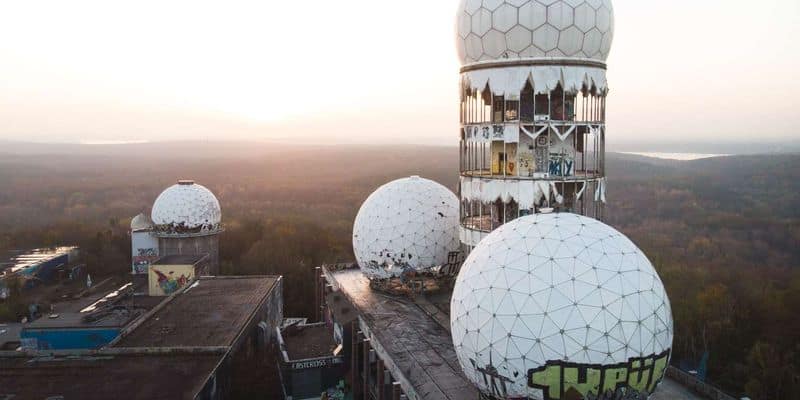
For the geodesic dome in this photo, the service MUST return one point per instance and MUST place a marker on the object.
(490, 30)
(551, 304)
(187, 208)
(410, 223)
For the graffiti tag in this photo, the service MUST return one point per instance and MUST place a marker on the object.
(560, 165)
(492, 379)
(634, 379)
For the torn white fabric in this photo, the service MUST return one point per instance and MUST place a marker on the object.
(579, 195)
(600, 191)
(509, 81)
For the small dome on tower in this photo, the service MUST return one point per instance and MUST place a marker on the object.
(187, 208)
(547, 298)
(410, 223)
(494, 30)
(141, 222)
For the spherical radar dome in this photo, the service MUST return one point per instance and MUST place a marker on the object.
(409, 223)
(187, 206)
(491, 30)
(555, 306)
(141, 222)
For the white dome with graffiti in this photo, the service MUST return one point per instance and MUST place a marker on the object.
(556, 306)
(410, 223)
(185, 209)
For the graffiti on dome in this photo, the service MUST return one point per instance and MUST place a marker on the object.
(635, 379)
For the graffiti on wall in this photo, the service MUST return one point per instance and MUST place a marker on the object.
(498, 132)
(168, 279)
(492, 379)
(143, 259)
(634, 379)
(527, 163)
(561, 165)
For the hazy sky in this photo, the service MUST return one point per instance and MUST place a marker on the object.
(367, 71)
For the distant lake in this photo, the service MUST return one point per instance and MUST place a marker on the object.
(112, 142)
(677, 156)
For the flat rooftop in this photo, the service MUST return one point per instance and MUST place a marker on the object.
(76, 320)
(416, 335)
(189, 259)
(417, 346)
(305, 342)
(210, 312)
(9, 335)
(174, 376)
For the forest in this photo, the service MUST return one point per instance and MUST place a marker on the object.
(723, 233)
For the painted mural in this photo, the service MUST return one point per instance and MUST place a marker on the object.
(165, 280)
(634, 379)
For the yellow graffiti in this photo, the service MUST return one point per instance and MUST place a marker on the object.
(638, 375)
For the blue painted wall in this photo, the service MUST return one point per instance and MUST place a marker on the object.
(70, 339)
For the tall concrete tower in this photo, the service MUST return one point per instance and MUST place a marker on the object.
(533, 91)
(187, 220)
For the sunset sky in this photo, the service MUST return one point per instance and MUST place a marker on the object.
(367, 71)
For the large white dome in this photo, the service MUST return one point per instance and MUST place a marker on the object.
(555, 303)
(407, 223)
(187, 208)
(491, 30)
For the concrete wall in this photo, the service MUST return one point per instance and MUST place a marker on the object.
(164, 280)
(144, 248)
(197, 245)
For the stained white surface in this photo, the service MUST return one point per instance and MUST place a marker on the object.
(187, 206)
(556, 287)
(408, 223)
(141, 222)
(490, 30)
(511, 80)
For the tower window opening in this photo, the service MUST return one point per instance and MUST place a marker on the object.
(542, 107)
(498, 104)
(512, 110)
(569, 107)
(557, 106)
(526, 111)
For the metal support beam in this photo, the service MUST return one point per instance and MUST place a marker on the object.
(354, 376)
(380, 369)
(396, 391)
(366, 349)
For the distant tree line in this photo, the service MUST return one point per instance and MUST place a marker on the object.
(724, 234)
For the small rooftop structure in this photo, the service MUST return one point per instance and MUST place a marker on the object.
(308, 341)
(169, 274)
(311, 360)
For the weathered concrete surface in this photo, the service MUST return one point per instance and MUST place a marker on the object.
(419, 352)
